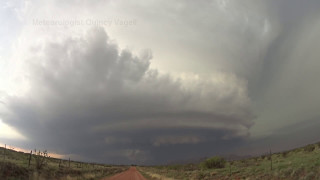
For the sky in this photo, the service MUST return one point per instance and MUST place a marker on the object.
(154, 82)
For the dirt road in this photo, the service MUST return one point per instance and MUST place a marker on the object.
(130, 174)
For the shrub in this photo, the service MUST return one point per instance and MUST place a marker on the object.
(309, 148)
(285, 154)
(190, 167)
(201, 175)
(40, 158)
(175, 167)
(214, 162)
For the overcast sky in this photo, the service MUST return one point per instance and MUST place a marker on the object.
(155, 81)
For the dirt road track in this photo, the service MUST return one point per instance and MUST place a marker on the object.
(130, 174)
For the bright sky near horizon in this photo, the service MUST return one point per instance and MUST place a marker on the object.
(8, 132)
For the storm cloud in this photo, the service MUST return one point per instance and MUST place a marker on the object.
(186, 79)
(86, 95)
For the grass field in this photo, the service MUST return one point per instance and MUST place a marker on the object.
(300, 163)
(15, 166)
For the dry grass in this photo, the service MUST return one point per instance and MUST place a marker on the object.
(300, 163)
(15, 166)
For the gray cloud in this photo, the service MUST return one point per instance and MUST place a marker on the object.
(176, 140)
(285, 93)
(85, 95)
(240, 57)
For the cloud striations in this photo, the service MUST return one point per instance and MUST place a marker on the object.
(86, 95)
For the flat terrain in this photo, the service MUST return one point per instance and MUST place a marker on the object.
(130, 174)
(300, 163)
(15, 165)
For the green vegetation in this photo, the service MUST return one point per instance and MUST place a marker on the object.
(213, 163)
(15, 165)
(147, 176)
(300, 163)
(310, 148)
(40, 159)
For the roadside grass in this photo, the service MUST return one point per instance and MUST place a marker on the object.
(147, 176)
(15, 165)
(300, 163)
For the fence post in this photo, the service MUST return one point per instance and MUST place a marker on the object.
(270, 160)
(69, 162)
(30, 158)
(4, 152)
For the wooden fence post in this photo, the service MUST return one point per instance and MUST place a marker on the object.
(270, 160)
(30, 158)
(4, 152)
(69, 162)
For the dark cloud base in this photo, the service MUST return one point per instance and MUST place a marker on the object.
(91, 100)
